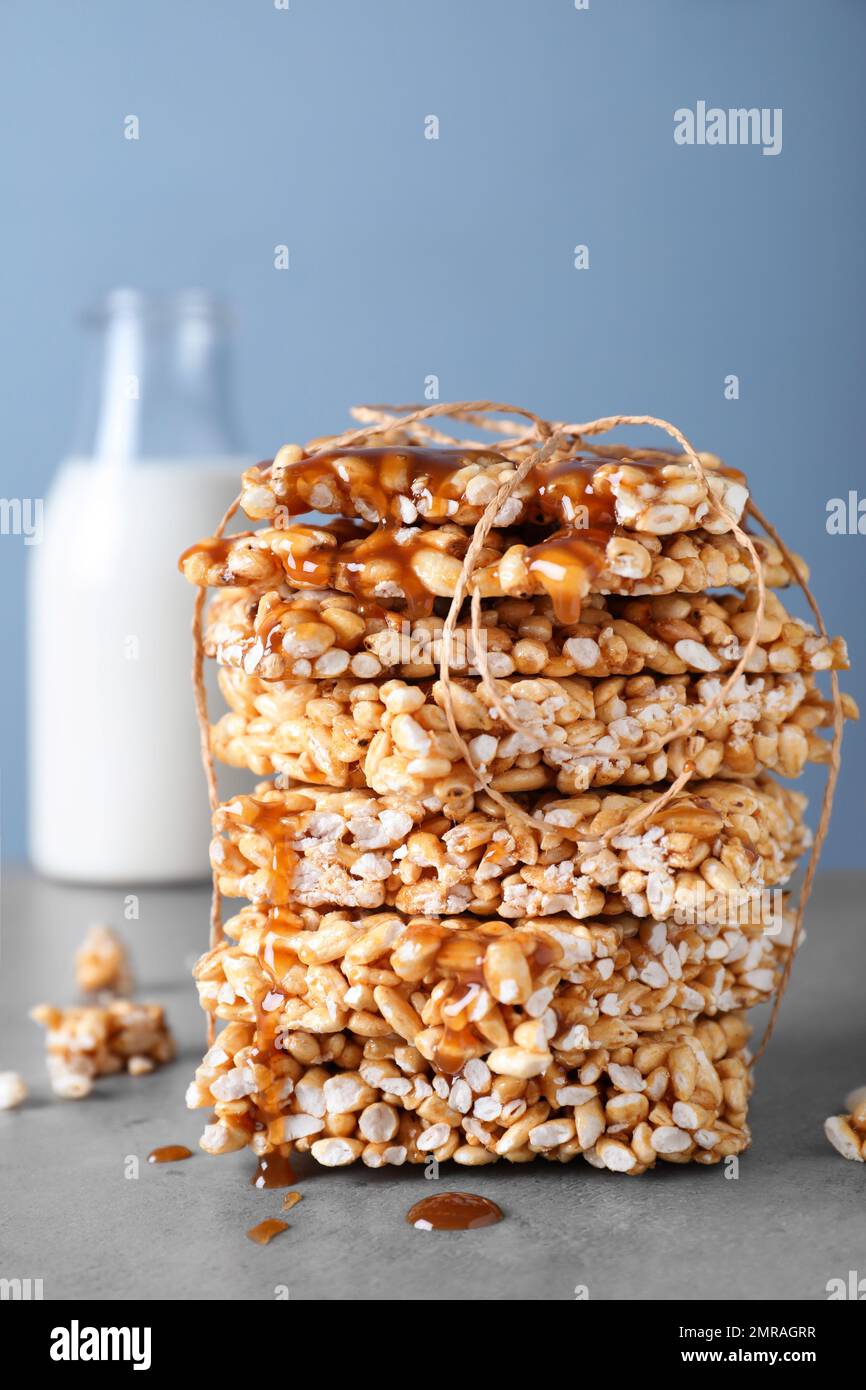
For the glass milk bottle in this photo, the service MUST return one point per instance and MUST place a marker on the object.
(117, 792)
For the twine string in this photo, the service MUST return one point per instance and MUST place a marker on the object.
(216, 933)
(480, 534)
(833, 770)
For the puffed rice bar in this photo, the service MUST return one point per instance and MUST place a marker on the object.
(323, 973)
(659, 493)
(418, 564)
(577, 733)
(325, 635)
(705, 852)
(624, 1102)
(414, 566)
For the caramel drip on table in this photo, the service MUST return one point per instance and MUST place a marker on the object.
(169, 1153)
(273, 1170)
(455, 1211)
(264, 1233)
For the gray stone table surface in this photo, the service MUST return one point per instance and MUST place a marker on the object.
(793, 1219)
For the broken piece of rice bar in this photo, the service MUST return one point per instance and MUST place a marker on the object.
(847, 1133)
(99, 1040)
(706, 851)
(102, 964)
(13, 1090)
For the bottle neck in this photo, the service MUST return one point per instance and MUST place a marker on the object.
(158, 382)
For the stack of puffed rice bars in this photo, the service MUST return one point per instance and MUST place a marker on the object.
(521, 953)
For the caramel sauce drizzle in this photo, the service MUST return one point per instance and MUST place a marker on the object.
(317, 569)
(276, 952)
(454, 1211)
(217, 547)
(169, 1153)
(461, 956)
(390, 472)
(565, 566)
(275, 823)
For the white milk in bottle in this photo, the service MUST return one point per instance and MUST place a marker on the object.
(117, 792)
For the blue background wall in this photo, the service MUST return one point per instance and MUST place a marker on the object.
(409, 256)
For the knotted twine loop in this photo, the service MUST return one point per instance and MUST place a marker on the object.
(383, 420)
